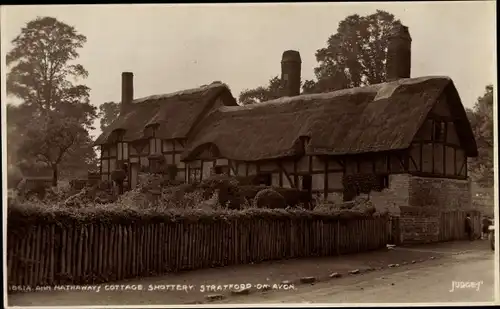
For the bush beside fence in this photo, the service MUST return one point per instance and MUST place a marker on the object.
(78, 249)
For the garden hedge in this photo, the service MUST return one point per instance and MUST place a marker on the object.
(32, 214)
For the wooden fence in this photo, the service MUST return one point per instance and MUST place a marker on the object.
(51, 255)
(413, 227)
(452, 225)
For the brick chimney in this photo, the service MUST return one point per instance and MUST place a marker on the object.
(290, 73)
(127, 90)
(398, 54)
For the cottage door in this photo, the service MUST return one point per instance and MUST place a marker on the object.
(134, 173)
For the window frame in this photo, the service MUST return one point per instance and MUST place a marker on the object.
(155, 144)
(438, 131)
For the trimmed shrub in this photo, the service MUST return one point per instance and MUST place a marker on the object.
(227, 190)
(269, 198)
(293, 197)
(118, 175)
(215, 181)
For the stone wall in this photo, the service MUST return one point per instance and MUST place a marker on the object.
(418, 226)
(391, 198)
(427, 209)
(387, 200)
(409, 190)
(445, 194)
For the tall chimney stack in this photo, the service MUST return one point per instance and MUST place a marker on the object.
(398, 54)
(290, 73)
(127, 90)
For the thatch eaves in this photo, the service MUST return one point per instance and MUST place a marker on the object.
(174, 113)
(374, 118)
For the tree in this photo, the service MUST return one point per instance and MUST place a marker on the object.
(43, 76)
(262, 94)
(354, 56)
(481, 120)
(49, 139)
(108, 113)
(17, 115)
(80, 159)
(42, 68)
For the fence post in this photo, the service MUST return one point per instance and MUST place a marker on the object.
(337, 237)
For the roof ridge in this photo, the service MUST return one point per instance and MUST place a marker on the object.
(388, 86)
(180, 92)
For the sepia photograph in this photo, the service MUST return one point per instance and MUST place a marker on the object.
(240, 154)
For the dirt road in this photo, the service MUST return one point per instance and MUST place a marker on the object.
(423, 274)
(465, 278)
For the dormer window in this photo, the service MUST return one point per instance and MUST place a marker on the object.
(121, 146)
(117, 135)
(122, 151)
(155, 146)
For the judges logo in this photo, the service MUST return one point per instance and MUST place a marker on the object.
(465, 285)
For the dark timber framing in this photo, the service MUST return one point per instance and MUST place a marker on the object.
(435, 140)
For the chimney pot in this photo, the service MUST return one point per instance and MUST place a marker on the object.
(398, 54)
(290, 73)
(127, 90)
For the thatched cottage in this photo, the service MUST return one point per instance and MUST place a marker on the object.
(156, 125)
(408, 138)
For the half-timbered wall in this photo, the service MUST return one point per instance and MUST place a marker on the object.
(112, 157)
(323, 174)
(172, 150)
(136, 153)
(436, 149)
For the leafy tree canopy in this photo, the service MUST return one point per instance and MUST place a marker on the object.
(43, 75)
(354, 56)
(481, 120)
(261, 94)
(108, 113)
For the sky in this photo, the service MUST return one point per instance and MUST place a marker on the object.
(175, 47)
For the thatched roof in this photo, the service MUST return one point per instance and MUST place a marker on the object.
(175, 113)
(374, 118)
